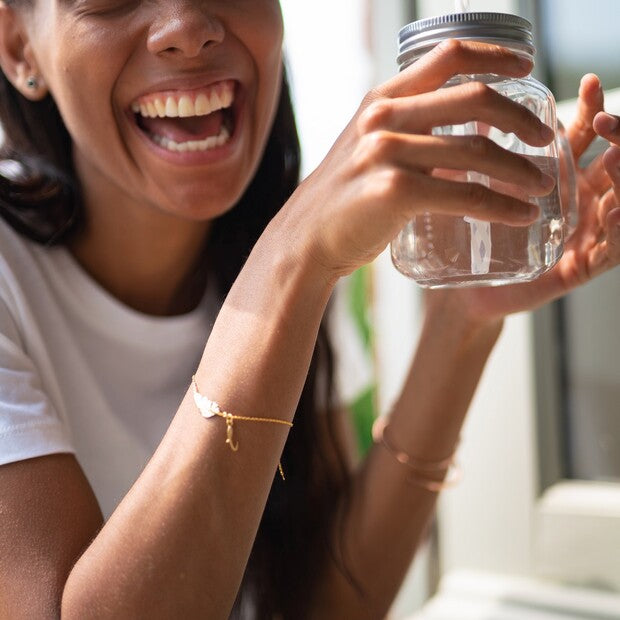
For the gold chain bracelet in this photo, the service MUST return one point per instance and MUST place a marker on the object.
(209, 408)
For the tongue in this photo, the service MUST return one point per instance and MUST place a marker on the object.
(184, 129)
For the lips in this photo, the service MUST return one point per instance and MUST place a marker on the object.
(188, 120)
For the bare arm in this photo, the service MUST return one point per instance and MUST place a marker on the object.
(386, 516)
(48, 516)
(178, 543)
(188, 524)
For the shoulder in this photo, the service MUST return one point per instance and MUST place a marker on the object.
(17, 253)
(22, 281)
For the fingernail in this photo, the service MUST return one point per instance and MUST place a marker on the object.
(610, 123)
(546, 133)
(525, 63)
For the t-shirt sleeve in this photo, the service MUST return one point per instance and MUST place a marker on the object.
(29, 423)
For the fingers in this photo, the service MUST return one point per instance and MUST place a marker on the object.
(451, 58)
(476, 153)
(611, 162)
(603, 256)
(603, 176)
(613, 235)
(606, 204)
(455, 106)
(467, 199)
(591, 101)
(607, 126)
(597, 175)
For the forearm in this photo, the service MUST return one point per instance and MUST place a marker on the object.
(385, 516)
(179, 541)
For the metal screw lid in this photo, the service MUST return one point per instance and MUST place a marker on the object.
(419, 37)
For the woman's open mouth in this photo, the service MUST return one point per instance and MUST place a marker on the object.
(188, 121)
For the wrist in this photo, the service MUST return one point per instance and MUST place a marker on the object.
(449, 313)
(283, 257)
(305, 239)
(452, 352)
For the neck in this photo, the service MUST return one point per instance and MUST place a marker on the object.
(150, 260)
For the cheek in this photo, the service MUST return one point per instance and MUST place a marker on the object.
(267, 53)
(264, 34)
(82, 74)
(274, 39)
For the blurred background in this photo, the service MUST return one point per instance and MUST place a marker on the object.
(533, 531)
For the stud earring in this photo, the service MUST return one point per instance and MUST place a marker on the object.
(32, 82)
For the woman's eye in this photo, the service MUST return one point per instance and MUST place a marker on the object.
(105, 8)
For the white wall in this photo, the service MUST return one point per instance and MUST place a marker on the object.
(330, 66)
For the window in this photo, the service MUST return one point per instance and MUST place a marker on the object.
(584, 323)
(541, 447)
(578, 387)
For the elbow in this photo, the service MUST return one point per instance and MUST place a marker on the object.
(80, 599)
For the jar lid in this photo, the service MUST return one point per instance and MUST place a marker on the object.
(419, 37)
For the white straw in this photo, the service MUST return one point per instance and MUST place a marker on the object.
(481, 242)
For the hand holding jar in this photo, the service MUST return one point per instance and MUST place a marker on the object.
(590, 249)
(380, 173)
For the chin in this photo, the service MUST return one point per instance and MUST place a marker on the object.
(199, 204)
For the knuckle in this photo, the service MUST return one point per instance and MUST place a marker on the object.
(375, 148)
(582, 125)
(379, 145)
(529, 169)
(375, 115)
(388, 183)
(476, 195)
(452, 48)
(372, 95)
(481, 92)
(498, 51)
(527, 117)
(480, 145)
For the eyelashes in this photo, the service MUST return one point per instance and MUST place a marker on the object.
(105, 8)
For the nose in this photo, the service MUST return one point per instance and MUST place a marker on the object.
(184, 28)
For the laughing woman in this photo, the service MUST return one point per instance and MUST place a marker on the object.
(157, 252)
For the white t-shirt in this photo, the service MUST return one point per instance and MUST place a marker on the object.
(82, 373)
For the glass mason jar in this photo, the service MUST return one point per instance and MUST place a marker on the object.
(447, 251)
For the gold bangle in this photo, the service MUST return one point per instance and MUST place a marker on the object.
(209, 408)
(455, 475)
(419, 469)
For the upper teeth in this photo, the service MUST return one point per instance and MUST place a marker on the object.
(173, 106)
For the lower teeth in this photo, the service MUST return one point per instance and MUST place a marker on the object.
(192, 145)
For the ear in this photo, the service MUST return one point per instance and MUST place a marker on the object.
(17, 59)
